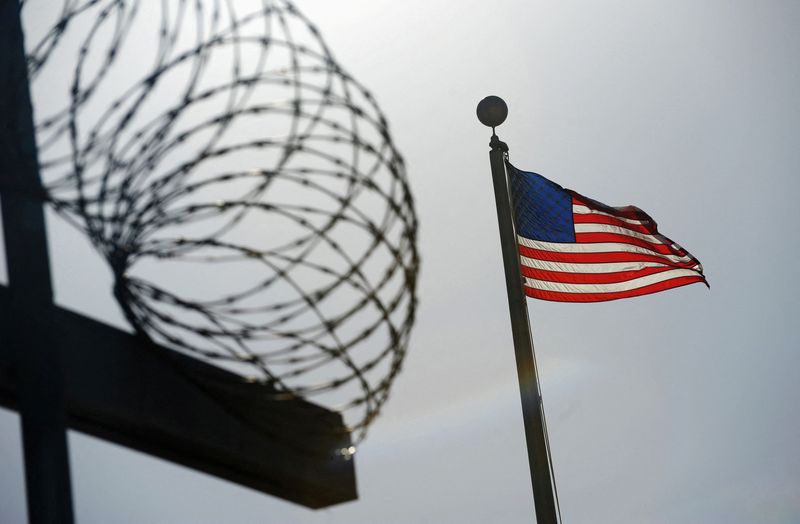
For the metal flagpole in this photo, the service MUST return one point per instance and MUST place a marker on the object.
(492, 112)
(37, 367)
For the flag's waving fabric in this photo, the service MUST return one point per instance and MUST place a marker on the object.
(575, 249)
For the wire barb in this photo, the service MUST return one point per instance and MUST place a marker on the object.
(243, 188)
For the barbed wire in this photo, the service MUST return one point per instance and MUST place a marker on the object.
(243, 188)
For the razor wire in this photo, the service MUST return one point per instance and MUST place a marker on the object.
(243, 188)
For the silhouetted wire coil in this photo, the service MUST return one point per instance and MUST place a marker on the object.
(244, 189)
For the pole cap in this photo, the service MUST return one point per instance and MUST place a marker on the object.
(492, 111)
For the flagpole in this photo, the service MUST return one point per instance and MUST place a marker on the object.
(492, 112)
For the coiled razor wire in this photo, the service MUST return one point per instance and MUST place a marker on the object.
(243, 188)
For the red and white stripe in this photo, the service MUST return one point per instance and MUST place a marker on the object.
(617, 253)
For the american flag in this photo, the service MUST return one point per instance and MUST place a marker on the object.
(575, 249)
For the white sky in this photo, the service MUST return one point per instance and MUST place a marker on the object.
(676, 407)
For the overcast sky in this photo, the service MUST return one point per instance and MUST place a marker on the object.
(675, 407)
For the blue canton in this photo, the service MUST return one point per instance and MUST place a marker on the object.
(542, 209)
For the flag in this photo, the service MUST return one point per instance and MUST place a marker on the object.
(575, 249)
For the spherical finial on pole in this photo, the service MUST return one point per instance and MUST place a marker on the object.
(492, 111)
